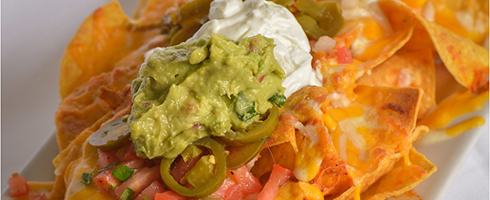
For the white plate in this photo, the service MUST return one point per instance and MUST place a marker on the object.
(34, 36)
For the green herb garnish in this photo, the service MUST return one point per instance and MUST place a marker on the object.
(244, 109)
(122, 172)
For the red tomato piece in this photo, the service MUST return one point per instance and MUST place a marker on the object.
(344, 55)
(130, 154)
(261, 78)
(134, 164)
(221, 192)
(250, 184)
(106, 158)
(151, 191)
(106, 181)
(139, 180)
(18, 185)
(168, 195)
(279, 176)
(234, 192)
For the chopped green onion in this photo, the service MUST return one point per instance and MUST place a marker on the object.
(128, 194)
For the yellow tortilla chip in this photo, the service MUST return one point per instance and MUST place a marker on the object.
(467, 61)
(366, 139)
(467, 18)
(446, 85)
(402, 28)
(152, 11)
(103, 39)
(80, 109)
(405, 175)
(406, 69)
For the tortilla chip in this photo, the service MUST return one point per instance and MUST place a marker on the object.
(299, 190)
(152, 11)
(72, 152)
(88, 103)
(379, 127)
(402, 28)
(282, 154)
(407, 69)
(103, 39)
(446, 85)
(466, 18)
(405, 175)
(467, 61)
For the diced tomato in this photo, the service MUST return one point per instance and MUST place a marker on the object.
(151, 191)
(130, 154)
(234, 192)
(106, 181)
(139, 181)
(279, 176)
(224, 191)
(18, 185)
(252, 196)
(250, 184)
(344, 55)
(168, 195)
(135, 163)
(238, 184)
(106, 158)
(221, 192)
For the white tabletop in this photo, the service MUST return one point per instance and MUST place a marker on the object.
(34, 35)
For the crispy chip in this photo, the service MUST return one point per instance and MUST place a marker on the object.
(467, 61)
(405, 175)
(378, 125)
(152, 11)
(102, 40)
(467, 18)
(87, 104)
(402, 26)
(407, 69)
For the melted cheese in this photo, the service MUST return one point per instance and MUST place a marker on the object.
(452, 107)
(435, 136)
(310, 154)
(466, 125)
(349, 128)
(308, 131)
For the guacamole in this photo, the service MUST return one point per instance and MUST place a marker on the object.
(209, 87)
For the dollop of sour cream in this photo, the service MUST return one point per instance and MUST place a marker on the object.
(237, 20)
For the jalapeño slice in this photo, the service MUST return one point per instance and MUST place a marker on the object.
(111, 136)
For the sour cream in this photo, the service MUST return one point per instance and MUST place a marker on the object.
(237, 20)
